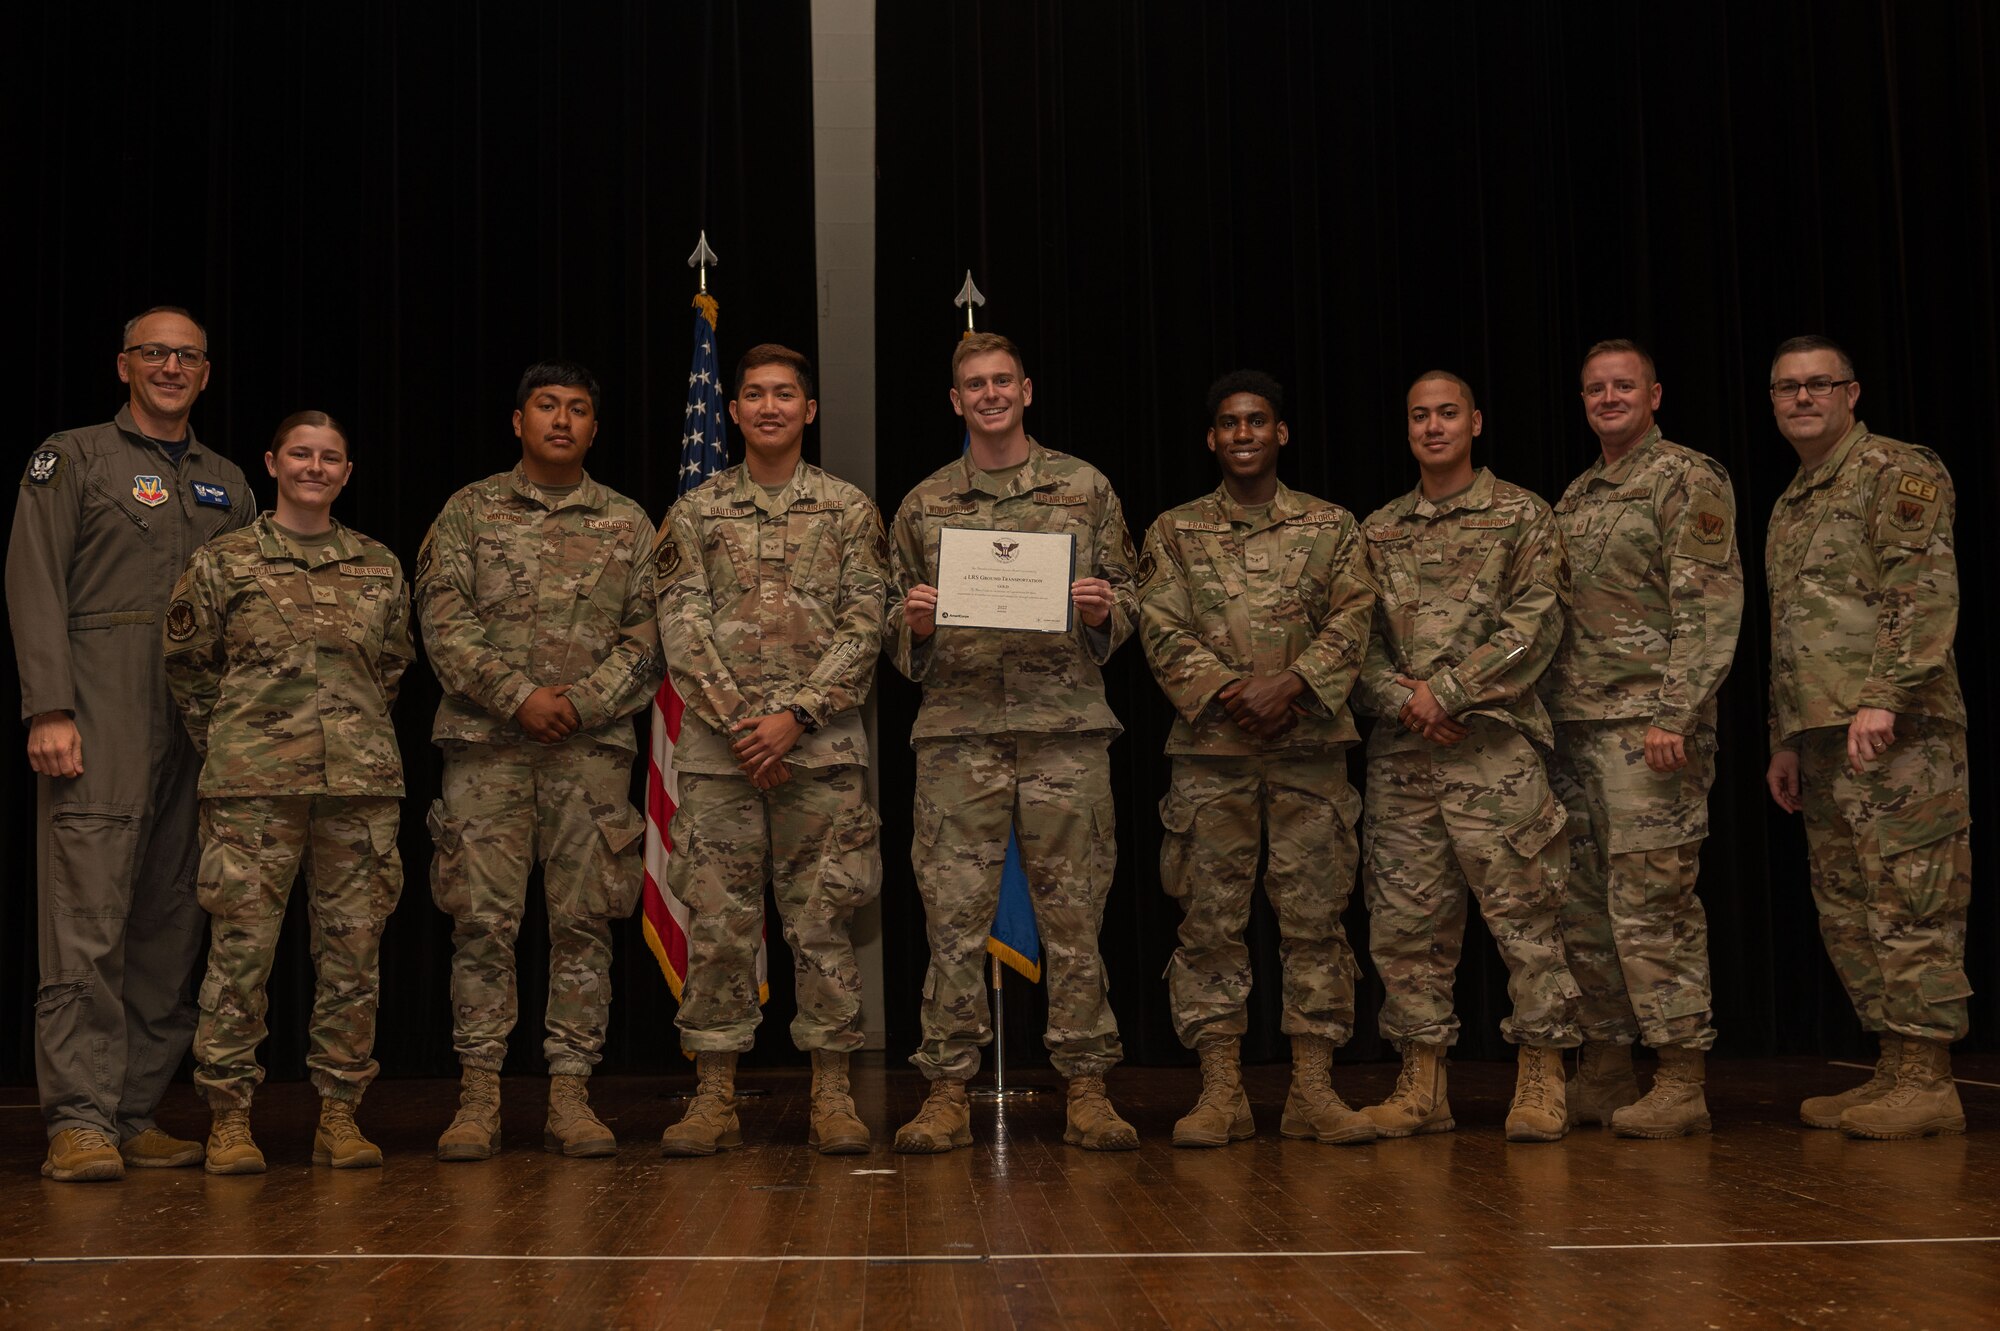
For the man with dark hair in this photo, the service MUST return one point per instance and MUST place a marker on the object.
(1657, 599)
(534, 589)
(1868, 734)
(1472, 586)
(1012, 734)
(1254, 607)
(770, 581)
(105, 519)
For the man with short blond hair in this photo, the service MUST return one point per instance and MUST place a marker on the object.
(1013, 733)
(106, 518)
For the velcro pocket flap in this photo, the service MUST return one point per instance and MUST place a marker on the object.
(1528, 836)
(1923, 822)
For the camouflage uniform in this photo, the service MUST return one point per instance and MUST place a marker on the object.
(1864, 606)
(515, 590)
(1472, 587)
(768, 602)
(1226, 593)
(1657, 603)
(1012, 735)
(103, 523)
(284, 656)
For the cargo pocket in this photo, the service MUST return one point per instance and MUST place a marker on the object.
(232, 882)
(927, 819)
(448, 867)
(1545, 875)
(1177, 816)
(1913, 844)
(1103, 845)
(613, 892)
(385, 886)
(851, 873)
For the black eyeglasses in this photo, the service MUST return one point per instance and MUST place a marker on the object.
(1782, 389)
(156, 353)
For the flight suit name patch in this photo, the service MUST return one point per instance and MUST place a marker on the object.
(214, 496)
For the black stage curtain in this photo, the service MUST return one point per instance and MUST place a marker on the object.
(386, 211)
(1154, 192)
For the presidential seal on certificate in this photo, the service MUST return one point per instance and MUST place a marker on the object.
(1005, 579)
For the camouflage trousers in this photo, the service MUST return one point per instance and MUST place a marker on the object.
(1891, 856)
(505, 807)
(1476, 815)
(1055, 791)
(817, 840)
(250, 854)
(1219, 814)
(1635, 931)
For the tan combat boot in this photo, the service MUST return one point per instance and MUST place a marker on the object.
(1540, 1112)
(1092, 1123)
(1313, 1108)
(474, 1133)
(1222, 1114)
(836, 1128)
(1923, 1102)
(1824, 1111)
(710, 1123)
(154, 1149)
(942, 1122)
(338, 1141)
(82, 1155)
(1675, 1107)
(572, 1128)
(1603, 1083)
(231, 1150)
(1418, 1103)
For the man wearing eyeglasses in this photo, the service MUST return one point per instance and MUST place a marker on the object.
(1868, 734)
(105, 519)
(1657, 600)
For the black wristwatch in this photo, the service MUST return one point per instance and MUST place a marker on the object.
(804, 718)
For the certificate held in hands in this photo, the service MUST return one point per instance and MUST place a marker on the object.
(1005, 579)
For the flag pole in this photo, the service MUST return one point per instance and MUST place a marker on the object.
(968, 298)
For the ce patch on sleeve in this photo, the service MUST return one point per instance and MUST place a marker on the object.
(1706, 533)
(1911, 510)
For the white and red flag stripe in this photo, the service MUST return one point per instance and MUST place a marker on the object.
(703, 453)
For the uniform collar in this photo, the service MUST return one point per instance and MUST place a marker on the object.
(1831, 464)
(1033, 475)
(124, 421)
(588, 494)
(1617, 473)
(334, 546)
(807, 484)
(1478, 495)
(1285, 503)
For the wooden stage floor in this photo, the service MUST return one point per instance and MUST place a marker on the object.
(1763, 1224)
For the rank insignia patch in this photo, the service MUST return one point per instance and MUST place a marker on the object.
(180, 622)
(43, 468)
(149, 491)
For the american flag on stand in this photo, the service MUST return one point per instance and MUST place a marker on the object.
(703, 453)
